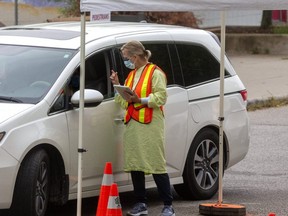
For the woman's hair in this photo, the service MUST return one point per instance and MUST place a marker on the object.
(136, 48)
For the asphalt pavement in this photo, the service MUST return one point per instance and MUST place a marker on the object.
(264, 76)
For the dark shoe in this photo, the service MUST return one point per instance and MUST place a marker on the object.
(167, 211)
(138, 210)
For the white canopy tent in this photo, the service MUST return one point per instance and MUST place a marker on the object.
(175, 6)
(181, 5)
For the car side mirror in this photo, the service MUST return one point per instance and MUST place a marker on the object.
(92, 98)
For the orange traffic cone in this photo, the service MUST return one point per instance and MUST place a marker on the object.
(114, 206)
(105, 190)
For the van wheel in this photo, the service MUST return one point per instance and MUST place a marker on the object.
(31, 192)
(201, 169)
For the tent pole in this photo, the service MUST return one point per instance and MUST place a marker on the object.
(81, 112)
(219, 208)
(221, 107)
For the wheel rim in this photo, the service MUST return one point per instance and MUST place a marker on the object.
(41, 189)
(206, 164)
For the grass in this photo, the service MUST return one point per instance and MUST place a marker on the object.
(268, 103)
(280, 30)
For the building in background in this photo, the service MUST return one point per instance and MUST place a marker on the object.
(279, 17)
(212, 19)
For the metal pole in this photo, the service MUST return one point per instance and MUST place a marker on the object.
(16, 12)
(221, 108)
(81, 113)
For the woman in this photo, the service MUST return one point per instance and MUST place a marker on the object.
(144, 119)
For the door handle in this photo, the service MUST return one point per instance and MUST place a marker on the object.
(119, 120)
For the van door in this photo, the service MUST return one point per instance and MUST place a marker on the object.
(176, 109)
(102, 134)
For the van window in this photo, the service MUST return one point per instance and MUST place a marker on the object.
(119, 66)
(198, 64)
(62, 102)
(96, 73)
(166, 57)
(96, 77)
(178, 78)
(161, 57)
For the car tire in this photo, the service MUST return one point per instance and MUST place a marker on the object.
(200, 174)
(31, 194)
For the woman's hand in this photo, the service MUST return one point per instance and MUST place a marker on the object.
(114, 78)
(132, 98)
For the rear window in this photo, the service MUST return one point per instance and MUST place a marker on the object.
(197, 63)
(185, 64)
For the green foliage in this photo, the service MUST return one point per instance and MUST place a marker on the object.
(173, 18)
(280, 30)
(73, 10)
(264, 104)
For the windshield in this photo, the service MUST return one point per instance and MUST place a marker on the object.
(27, 73)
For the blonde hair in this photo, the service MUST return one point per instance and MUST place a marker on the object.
(136, 48)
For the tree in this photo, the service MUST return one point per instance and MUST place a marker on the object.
(73, 9)
(174, 18)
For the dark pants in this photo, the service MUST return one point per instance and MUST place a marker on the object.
(163, 185)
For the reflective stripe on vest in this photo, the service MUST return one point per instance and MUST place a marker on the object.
(137, 111)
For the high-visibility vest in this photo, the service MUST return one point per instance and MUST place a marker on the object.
(137, 111)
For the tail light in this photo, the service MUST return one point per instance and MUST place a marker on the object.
(244, 94)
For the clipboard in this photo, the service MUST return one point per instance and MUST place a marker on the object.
(122, 90)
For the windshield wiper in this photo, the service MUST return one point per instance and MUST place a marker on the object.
(11, 99)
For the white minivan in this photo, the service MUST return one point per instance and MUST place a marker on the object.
(39, 74)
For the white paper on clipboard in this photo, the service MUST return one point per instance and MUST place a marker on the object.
(122, 89)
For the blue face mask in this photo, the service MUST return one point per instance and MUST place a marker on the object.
(129, 64)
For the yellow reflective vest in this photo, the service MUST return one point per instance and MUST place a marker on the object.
(137, 111)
